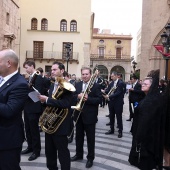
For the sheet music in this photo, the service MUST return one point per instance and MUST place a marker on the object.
(128, 86)
(34, 95)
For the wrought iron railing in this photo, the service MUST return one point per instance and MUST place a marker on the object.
(109, 57)
(51, 55)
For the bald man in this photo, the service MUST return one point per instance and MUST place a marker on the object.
(13, 94)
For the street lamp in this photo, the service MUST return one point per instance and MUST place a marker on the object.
(134, 65)
(165, 36)
(68, 49)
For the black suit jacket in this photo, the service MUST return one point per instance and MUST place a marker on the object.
(100, 81)
(90, 109)
(137, 94)
(13, 95)
(35, 107)
(46, 85)
(64, 102)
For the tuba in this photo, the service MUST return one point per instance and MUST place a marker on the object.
(52, 117)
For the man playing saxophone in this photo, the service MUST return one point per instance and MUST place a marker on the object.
(115, 95)
(57, 142)
(87, 114)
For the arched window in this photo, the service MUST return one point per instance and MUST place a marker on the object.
(63, 25)
(44, 24)
(34, 24)
(73, 26)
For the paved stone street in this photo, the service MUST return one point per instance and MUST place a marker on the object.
(111, 152)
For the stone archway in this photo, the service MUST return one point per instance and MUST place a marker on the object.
(103, 71)
(119, 69)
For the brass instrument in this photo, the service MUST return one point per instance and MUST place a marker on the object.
(31, 83)
(52, 117)
(92, 80)
(110, 92)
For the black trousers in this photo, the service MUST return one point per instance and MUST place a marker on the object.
(32, 131)
(57, 146)
(10, 159)
(118, 112)
(89, 129)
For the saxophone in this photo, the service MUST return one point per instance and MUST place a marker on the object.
(52, 117)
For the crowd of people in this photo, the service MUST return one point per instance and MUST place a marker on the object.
(20, 115)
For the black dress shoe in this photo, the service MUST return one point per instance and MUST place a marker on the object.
(89, 164)
(33, 157)
(109, 132)
(26, 151)
(108, 124)
(120, 135)
(75, 158)
(128, 120)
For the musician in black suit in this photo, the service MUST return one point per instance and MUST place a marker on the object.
(135, 95)
(115, 103)
(32, 112)
(57, 142)
(86, 122)
(13, 94)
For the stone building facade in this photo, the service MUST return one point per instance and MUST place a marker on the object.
(111, 52)
(155, 16)
(47, 27)
(10, 25)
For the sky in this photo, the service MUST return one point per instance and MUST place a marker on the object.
(120, 16)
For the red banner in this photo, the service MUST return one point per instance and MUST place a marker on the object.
(160, 48)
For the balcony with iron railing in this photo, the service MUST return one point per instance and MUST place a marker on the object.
(52, 56)
(97, 57)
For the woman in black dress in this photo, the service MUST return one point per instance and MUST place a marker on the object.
(148, 127)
